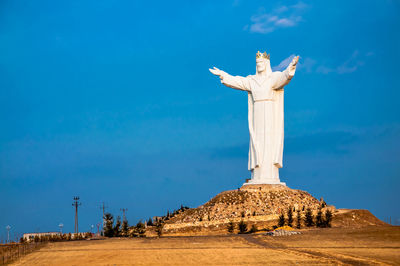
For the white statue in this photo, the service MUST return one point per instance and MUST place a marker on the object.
(265, 111)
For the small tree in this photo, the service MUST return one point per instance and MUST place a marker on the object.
(298, 219)
(323, 203)
(318, 219)
(281, 221)
(141, 229)
(242, 226)
(309, 219)
(117, 227)
(253, 229)
(328, 218)
(150, 222)
(243, 214)
(159, 228)
(290, 217)
(231, 227)
(109, 222)
(125, 228)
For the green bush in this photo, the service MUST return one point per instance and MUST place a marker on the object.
(298, 219)
(328, 218)
(318, 219)
(290, 217)
(231, 227)
(309, 218)
(281, 221)
(253, 229)
(109, 222)
(242, 226)
(159, 228)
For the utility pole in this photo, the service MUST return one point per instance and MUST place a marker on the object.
(103, 208)
(123, 213)
(8, 233)
(98, 228)
(76, 204)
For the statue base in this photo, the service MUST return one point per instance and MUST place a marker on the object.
(263, 182)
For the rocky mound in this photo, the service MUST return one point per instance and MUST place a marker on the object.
(259, 206)
(355, 219)
(250, 200)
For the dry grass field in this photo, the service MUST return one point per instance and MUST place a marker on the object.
(364, 246)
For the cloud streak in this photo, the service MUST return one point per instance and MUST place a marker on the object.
(282, 65)
(349, 66)
(280, 17)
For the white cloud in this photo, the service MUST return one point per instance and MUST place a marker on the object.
(349, 66)
(282, 65)
(324, 70)
(300, 5)
(307, 64)
(352, 64)
(280, 17)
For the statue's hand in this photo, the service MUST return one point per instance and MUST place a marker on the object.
(217, 72)
(292, 65)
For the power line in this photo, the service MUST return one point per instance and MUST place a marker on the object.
(76, 204)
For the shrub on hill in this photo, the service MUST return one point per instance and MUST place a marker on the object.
(318, 219)
(230, 227)
(253, 229)
(298, 226)
(309, 218)
(242, 226)
(159, 228)
(281, 221)
(328, 218)
(290, 217)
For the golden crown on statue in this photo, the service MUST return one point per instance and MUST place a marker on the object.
(262, 55)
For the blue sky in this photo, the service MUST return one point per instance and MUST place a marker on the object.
(113, 101)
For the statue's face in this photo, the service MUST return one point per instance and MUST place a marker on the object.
(260, 65)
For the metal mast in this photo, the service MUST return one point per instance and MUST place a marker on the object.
(76, 204)
(123, 213)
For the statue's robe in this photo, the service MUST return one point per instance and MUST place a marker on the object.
(265, 115)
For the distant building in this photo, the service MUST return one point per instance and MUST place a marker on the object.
(31, 236)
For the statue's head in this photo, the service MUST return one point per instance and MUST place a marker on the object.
(262, 62)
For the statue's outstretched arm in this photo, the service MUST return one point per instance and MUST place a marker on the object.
(234, 82)
(280, 79)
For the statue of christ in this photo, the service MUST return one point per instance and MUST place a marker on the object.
(265, 113)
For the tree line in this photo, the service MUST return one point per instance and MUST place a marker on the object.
(322, 220)
(123, 229)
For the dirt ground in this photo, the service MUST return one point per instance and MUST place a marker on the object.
(363, 246)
